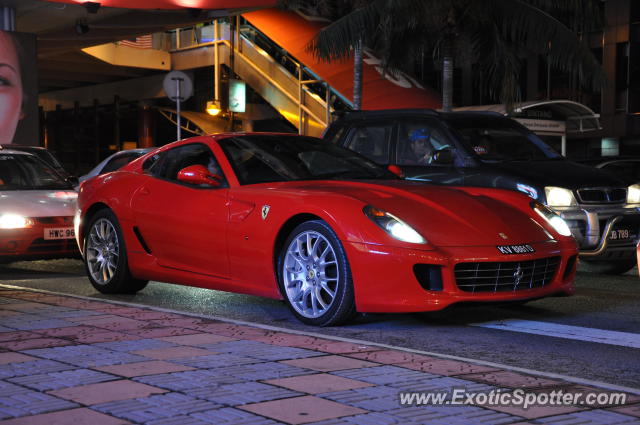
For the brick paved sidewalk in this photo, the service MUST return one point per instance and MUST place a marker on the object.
(66, 360)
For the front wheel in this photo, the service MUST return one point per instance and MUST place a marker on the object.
(105, 256)
(314, 275)
(608, 267)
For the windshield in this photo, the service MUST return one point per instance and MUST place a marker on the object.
(26, 172)
(500, 139)
(271, 158)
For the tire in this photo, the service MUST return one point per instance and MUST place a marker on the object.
(608, 267)
(105, 256)
(314, 276)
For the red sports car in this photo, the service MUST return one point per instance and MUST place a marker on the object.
(293, 217)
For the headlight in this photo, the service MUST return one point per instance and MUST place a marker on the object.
(393, 225)
(552, 218)
(14, 221)
(559, 197)
(633, 194)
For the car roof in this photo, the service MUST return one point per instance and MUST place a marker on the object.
(360, 115)
(14, 152)
(23, 148)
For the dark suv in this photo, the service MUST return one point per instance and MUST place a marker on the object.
(490, 150)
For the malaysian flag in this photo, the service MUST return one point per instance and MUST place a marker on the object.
(142, 42)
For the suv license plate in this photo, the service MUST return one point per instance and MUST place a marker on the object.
(620, 234)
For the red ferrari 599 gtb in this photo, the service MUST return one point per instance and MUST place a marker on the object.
(293, 217)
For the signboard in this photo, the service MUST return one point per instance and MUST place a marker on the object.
(547, 127)
(237, 96)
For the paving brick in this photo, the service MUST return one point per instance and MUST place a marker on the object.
(231, 416)
(18, 336)
(156, 407)
(130, 370)
(330, 363)
(258, 350)
(85, 355)
(385, 375)
(7, 389)
(197, 339)
(452, 415)
(318, 383)
(182, 381)
(135, 345)
(390, 356)
(262, 371)
(241, 393)
(443, 384)
(112, 322)
(27, 344)
(29, 402)
(591, 417)
(174, 352)
(6, 358)
(505, 378)
(105, 392)
(81, 416)
(25, 322)
(299, 410)
(177, 420)
(215, 361)
(32, 367)
(633, 410)
(377, 399)
(446, 367)
(161, 332)
(65, 379)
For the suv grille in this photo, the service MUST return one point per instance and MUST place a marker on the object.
(603, 195)
(505, 276)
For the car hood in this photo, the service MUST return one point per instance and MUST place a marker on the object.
(445, 216)
(561, 173)
(38, 203)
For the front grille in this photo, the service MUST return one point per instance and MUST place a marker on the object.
(505, 276)
(602, 195)
(54, 220)
(42, 245)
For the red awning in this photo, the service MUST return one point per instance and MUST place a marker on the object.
(176, 4)
(293, 32)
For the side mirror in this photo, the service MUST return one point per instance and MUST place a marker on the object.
(443, 156)
(198, 174)
(396, 170)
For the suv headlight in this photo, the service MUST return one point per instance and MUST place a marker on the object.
(557, 222)
(559, 197)
(633, 194)
(14, 221)
(393, 225)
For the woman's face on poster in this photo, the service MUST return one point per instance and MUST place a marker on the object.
(10, 89)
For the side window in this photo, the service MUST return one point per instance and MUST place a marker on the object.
(118, 162)
(372, 142)
(173, 160)
(419, 141)
(337, 135)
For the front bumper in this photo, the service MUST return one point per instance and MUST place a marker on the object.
(29, 243)
(597, 229)
(385, 282)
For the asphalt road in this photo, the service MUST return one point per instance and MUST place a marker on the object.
(609, 303)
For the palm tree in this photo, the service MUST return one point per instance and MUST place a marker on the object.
(488, 33)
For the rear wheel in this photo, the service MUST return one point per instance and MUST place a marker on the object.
(105, 256)
(314, 275)
(608, 267)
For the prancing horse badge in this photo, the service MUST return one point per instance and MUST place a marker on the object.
(265, 211)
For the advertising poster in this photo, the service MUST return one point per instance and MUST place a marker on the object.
(18, 89)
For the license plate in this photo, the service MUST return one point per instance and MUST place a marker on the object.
(515, 249)
(620, 234)
(59, 233)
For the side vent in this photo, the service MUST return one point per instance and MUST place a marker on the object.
(136, 231)
(429, 276)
